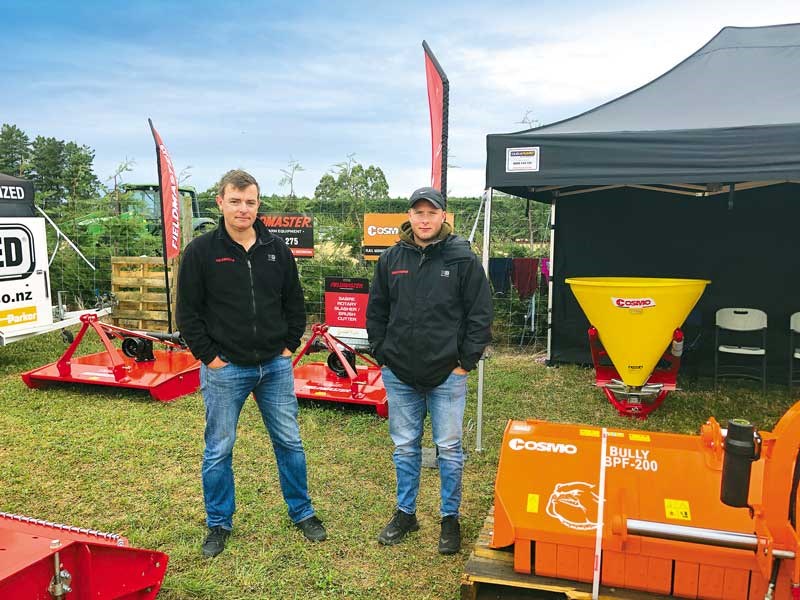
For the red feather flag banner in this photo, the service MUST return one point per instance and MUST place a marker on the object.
(170, 212)
(438, 101)
(170, 198)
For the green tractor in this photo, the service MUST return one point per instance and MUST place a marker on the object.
(146, 197)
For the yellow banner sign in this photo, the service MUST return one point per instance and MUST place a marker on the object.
(17, 316)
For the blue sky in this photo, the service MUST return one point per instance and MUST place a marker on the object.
(256, 84)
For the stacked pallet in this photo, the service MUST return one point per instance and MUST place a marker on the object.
(489, 574)
(140, 289)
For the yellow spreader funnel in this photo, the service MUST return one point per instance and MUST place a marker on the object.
(635, 317)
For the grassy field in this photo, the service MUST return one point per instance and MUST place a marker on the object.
(119, 461)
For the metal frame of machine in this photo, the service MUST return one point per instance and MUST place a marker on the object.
(57, 562)
(637, 403)
(166, 374)
(340, 379)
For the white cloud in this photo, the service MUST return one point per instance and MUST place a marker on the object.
(320, 87)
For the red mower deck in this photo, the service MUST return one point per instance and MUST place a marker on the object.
(166, 374)
(340, 379)
(39, 559)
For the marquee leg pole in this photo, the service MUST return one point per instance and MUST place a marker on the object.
(487, 224)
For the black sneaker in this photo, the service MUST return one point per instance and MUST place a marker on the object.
(215, 541)
(450, 538)
(313, 529)
(401, 524)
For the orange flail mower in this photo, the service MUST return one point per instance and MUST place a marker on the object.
(678, 515)
(712, 515)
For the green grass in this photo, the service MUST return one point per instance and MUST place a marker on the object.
(118, 461)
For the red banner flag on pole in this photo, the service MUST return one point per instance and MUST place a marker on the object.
(170, 212)
(170, 198)
(438, 100)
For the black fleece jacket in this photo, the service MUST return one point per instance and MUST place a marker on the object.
(430, 309)
(247, 306)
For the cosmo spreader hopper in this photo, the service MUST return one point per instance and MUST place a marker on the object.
(49, 561)
(340, 378)
(635, 324)
(713, 515)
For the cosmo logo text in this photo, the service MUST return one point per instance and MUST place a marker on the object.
(375, 230)
(555, 448)
(633, 302)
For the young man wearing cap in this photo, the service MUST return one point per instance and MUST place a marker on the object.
(429, 319)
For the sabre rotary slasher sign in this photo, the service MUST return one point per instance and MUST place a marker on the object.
(346, 301)
(296, 229)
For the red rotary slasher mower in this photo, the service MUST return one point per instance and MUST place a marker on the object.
(339, 379)
(166, 374)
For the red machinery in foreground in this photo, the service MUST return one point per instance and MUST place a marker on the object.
(48, 561)
(339, 379)
(166, 374)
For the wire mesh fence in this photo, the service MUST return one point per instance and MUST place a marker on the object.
(518, 267)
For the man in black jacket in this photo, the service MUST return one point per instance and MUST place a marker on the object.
(429, 319)
(241, 311)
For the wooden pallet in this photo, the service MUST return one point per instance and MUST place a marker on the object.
(487, 567)
(139, 287)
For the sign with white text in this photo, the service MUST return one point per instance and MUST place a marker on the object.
(296, 229)
(346, 302)
(382, 231)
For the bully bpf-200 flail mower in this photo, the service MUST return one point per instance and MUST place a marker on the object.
(712, 515)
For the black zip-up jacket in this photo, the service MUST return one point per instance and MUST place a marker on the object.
(429, 311)
(247, 306)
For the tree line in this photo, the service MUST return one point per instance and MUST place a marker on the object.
(105, 222)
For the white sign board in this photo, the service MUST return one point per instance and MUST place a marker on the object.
(521, 160)
(24, 278)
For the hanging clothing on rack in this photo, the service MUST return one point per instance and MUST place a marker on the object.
(525, 277)
(500, 270)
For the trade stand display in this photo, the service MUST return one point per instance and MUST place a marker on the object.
(606, 505)
(691, 175)
(688, 178)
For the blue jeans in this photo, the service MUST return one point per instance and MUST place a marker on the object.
(407, 410)
(224, 393)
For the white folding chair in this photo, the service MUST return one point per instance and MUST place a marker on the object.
(737, 334)
(794, 349)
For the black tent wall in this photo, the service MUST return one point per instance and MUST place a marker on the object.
(749, 252)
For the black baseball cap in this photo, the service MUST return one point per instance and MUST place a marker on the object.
(430, 194)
